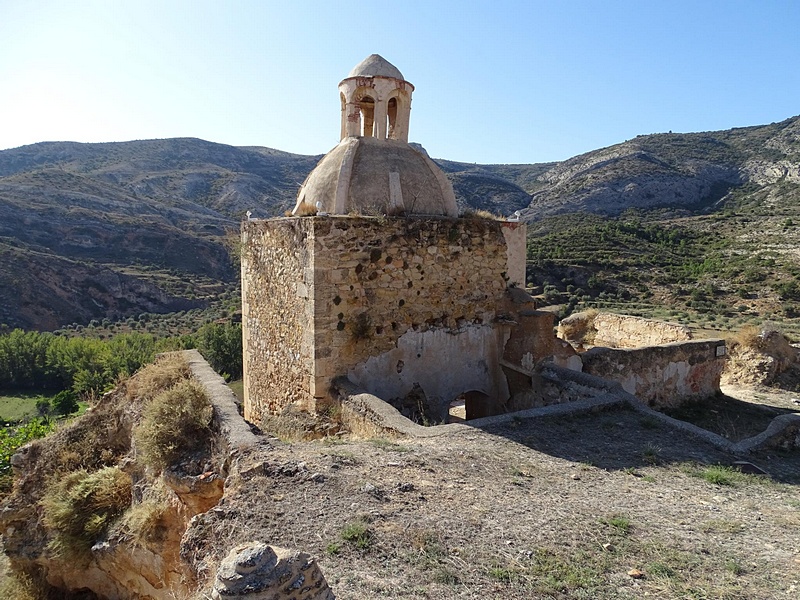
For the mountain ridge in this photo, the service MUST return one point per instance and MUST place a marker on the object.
(158, 212)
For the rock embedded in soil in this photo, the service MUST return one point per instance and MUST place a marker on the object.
(257, 571)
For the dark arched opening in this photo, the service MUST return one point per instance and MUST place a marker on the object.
(473, 404)
(391, 116)
(367, 116)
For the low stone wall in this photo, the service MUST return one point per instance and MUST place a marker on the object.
(662, 376)
(626, 331)
(611, 330)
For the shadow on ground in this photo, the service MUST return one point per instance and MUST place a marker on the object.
(620, 438)
(729, 417)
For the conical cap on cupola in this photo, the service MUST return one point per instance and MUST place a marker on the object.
(373, 169)
(376, 66)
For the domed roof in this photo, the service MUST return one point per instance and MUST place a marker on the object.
(369, 176)
(376, 66)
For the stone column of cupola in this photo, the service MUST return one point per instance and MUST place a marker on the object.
(380, 118)
(351, 111)
(402, 119)
(352, 118)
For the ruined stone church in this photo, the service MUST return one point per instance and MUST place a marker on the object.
(376, 278)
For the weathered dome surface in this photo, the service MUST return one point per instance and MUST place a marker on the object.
(376, 66)
(369, 176)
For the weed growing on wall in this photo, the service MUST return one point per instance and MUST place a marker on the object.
(175, 422)
(80, 507)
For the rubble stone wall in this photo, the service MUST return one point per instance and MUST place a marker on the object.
(323, 295)
(662, 376)
(277, 316)
(626, 331)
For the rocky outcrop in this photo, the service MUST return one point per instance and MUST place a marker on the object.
(758, 358)
(256, 571)
(136, 556)
(157, 549)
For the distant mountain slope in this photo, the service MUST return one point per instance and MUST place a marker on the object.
(83, 225)
(691, 171)
(90, 231)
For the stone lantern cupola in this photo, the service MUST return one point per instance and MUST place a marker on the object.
(374, 170)
(376, 101)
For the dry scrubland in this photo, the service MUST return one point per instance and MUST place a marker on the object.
(544, 508)
(600, 505)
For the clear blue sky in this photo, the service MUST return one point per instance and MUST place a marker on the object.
(496, 81)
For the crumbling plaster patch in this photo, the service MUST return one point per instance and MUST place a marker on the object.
(444, 363)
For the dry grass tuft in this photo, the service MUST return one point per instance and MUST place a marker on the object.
(481, 214)
(145, 522)
(166, 371)
(304, 210)
(173, 423)
(20, 586)
(80, 507)
(748, 336)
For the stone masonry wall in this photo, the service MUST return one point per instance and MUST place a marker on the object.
(402, 301)
(277, 315)
(324, 295)
(626, 331)
(662, 376)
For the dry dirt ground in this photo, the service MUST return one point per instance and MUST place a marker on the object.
(600, 505)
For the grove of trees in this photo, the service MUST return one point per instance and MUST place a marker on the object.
(32, 360)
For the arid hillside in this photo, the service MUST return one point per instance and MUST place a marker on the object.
(94, 231)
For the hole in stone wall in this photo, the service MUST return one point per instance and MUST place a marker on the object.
(373, 276)
(374, 255)
(337, 301)
(340, 326)
(402, 302)
(359, 268)
(379, 330)
(410, 284)
(394, 326)
(388, 260)
(477, 405)
(340, 316)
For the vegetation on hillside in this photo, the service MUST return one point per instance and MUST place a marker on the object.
(720, 271)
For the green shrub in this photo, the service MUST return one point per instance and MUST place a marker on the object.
(80, 507)
(175, 422)
(358, 534)
(13, 438)
(65, 403)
